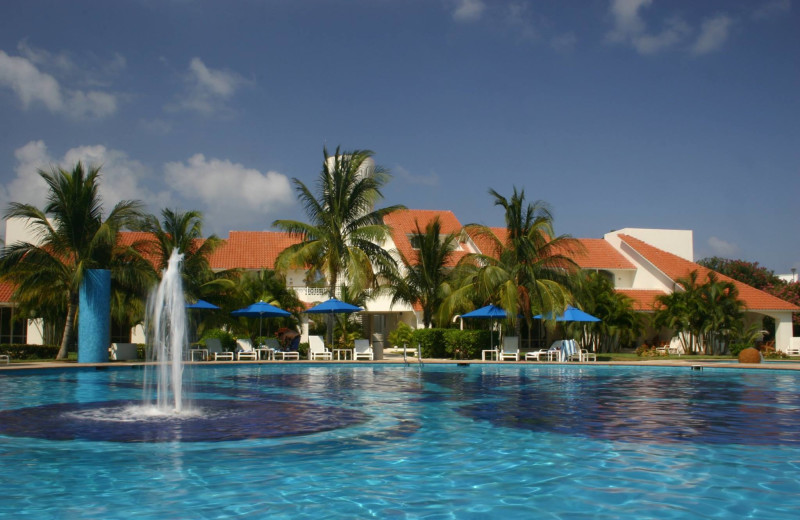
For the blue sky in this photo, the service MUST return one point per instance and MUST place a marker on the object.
(626, 113)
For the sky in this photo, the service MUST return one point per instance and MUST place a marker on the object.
(617, 113)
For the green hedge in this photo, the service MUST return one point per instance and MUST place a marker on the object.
(22, 351)
(466, 344)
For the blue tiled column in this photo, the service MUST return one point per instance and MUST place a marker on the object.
(94, 317)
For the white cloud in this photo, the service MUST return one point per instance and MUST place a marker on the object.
(33, 86)
(630, 27)
(424, 180)
(722, 248)
(713, 34)
(121, 177)
(208, 89)
(468, 10)
(227, 191)
(772, 9)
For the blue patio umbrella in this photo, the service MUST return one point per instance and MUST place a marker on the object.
(571, 314)
(492, 312)
(261, 309)
(334, 306)
(202, 304)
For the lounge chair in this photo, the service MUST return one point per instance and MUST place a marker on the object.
(244, 350)
(536, 355)
(510, 348)
(362, 349)
(316, 349)
(292, 353)
(215, 350)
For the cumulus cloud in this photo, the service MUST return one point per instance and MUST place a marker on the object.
(122, 178)
(713, 34)
(34, 86)
(424, 180)
(630, 27)
(468, 10)
(208, 89)
(229, 193)
(722, 248)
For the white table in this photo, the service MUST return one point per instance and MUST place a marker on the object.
(342, 353)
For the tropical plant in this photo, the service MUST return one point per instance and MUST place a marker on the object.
(73, 238)
(425, 278)
(529, 271)
(182, 231)
(342, 240)
(620, 324)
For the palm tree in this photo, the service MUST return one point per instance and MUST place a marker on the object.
(344, 235)
(426, 276)
(528, 272)
(183, 231)
(73, 239)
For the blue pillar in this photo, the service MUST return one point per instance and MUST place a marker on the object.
(94, 317)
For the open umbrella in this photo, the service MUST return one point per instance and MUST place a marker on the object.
(202, 304)
(492, 312)
(261, 309)
(333, 306)
(571, 314)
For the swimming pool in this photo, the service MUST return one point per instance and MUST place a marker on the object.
(386, 441)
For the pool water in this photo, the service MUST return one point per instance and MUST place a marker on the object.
(387, 441)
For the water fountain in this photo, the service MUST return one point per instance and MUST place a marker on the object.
(166, 329)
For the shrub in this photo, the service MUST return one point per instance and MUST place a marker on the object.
(24, 351)
(403, 334)
(465, 344)
(431, 341)
(225, 338)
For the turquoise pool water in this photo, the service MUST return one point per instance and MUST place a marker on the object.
(378, 441)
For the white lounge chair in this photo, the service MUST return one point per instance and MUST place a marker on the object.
(363, 350)
(244, 350)
(316, 349)
(536, 355)
(510, 348)
(215, 350)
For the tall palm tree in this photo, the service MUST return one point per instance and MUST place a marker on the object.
(342, 240)
(425, 277)
(528, 272)
(73, 239)
(183, 231)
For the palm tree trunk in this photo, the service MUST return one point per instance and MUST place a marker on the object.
(69, 326)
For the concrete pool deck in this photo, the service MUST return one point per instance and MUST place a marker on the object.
(398, 360)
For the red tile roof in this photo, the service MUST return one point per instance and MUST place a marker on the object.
(676, 267)
(251, 250)
(599, 254)
(643, 299)
(6, 290)
(404, 223)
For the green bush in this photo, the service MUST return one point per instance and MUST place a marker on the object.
(432, 342)
(24, 351)
(225, 338)
(403, 334)
(466, 344)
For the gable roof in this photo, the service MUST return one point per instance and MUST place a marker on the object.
(643, 299)
(251, 250)
(403, 223)
(675, 267)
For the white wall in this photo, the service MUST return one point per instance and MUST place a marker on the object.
(676, 241)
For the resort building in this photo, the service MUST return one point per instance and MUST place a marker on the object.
(642, 263)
